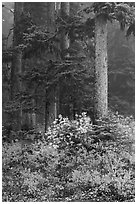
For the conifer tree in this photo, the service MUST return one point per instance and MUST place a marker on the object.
(103, 12)
(16, 70)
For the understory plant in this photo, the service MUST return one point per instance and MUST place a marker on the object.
(74, 161)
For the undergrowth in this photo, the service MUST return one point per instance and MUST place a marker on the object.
(72, 161)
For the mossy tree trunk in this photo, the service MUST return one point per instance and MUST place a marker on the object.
(101, 69)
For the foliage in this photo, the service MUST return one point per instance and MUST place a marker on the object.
(43, 72)
(74, 160)
(57, 168)
(123, 12)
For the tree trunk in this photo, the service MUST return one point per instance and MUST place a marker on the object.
(43, 15)
(74, 7)
(101, 69)
(53, 112)
(51, 104)
(64, 42)
(65, 10)
(16, 70)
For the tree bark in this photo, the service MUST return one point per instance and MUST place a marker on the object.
(64, 42)
(51, 99)
(101, 69)
(65, 10)
(16, 70)
(43, 15)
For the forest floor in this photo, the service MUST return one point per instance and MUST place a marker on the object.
(73, 161)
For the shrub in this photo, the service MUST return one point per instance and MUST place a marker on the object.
(76, 161)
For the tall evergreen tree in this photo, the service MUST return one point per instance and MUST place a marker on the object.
(16, 70)
(64, 39)
(101, 68)
(53, 94)
(43, 17)
(124, 13)
(65, 10)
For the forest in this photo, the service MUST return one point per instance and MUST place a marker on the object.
(68, 102)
